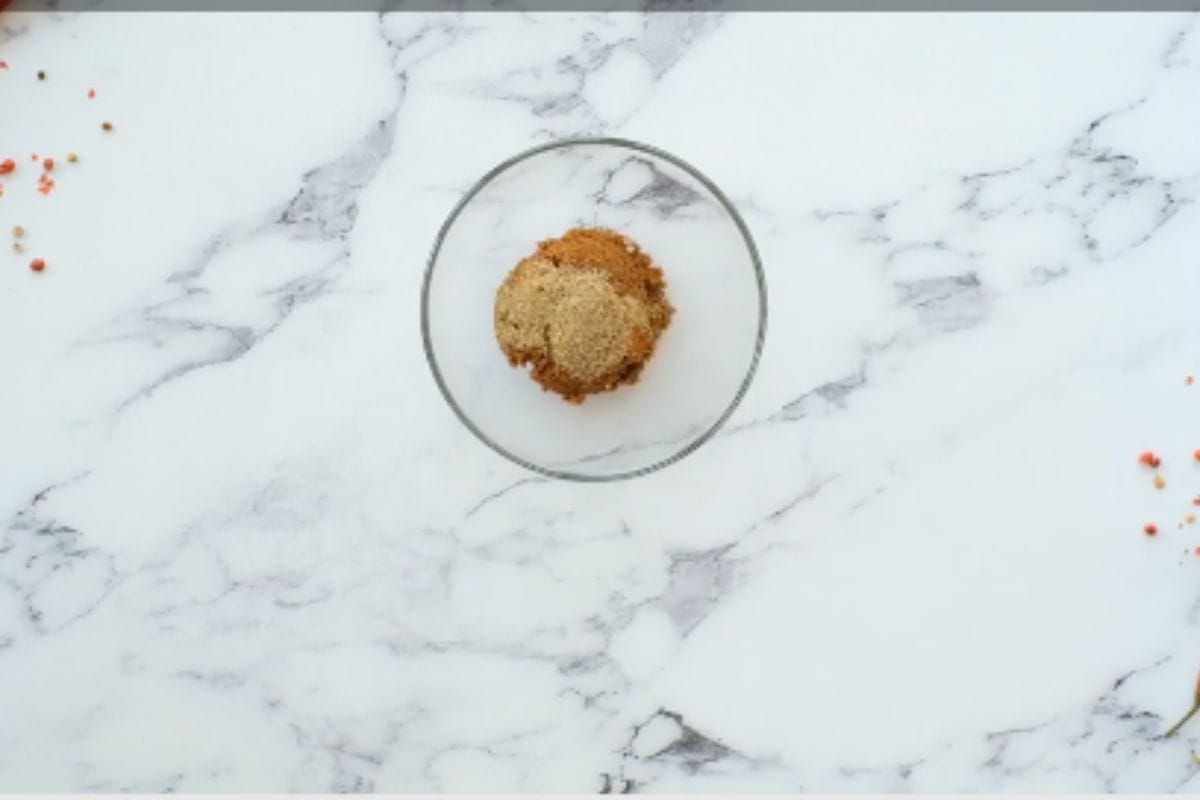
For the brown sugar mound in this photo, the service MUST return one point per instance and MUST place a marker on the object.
(585, 311)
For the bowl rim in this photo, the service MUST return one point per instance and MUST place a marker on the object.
(692, 444)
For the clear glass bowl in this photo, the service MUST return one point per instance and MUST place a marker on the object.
(704, 361)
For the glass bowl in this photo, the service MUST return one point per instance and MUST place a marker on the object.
(703, 362)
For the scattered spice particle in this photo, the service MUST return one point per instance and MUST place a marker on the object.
(7, 166)
(45, 184)
(18, 231)
(37, 265)
(41, 74)
(1149, 459)
(1159, 481)
(1190, 519)
(1189, 380)
(106, 126)
(1196, 500)
(48, 164)
(72, 158)
(34, 157)
(18, 247)
(3, 65)
(1150, 529)
(91, 94)
(1196, 455)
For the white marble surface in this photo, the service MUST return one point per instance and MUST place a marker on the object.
(245, 546)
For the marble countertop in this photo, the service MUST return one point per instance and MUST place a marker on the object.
(246, 547)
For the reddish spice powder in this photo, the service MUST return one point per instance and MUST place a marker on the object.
(7, 166)
(3, 64)
(1189, 380)
(38, 264)
(91, 94)
(1196, 455)
(1149, 459)
(45, 184)
(106, 126)
(1150, 529)
(48, 164)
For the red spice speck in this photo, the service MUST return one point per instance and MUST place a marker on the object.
(7, 166)
(48, 164)
(37, 265)
(34, 157)
(1189, 380)
(1196, 455)
(45, 184)
(91, 94)
(1149, 459)
(1150, 529)
(3, 65)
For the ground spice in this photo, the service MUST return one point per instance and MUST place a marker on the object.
(8, 166)
(41, 74)
(1196, 455)
(1189, 380)
(91, 94)
(18, 247)
(18, 232)
(1149, 459)
(585, 311)
(1150, 529)
(106, 126)
(37, 265)
(1159, 481)
(72, 158)
(3, 65)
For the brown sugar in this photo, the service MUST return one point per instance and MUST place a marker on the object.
(585, 311)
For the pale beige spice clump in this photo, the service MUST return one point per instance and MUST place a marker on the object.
(585, 311)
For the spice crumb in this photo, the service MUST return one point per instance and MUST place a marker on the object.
(3, 65)
(1150, 529)
(48, 164)
(18, 247)
(106, 126)
(1189, 380)
(18, 231)
(1190, 519)
(1149, 459)
(7, 166)
(1196, 455)
(37, 265)
(72, 158)
(91, 94)
(41, 74)
(1159, 481)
